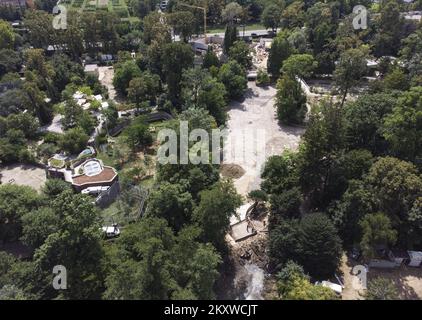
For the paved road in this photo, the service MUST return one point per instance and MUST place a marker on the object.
(259, 32)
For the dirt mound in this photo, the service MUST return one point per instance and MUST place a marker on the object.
(233, 171)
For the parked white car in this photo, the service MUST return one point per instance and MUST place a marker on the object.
(111, 231)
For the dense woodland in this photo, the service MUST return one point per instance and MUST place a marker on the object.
(355, 181)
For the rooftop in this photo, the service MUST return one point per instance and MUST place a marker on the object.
(93, 172)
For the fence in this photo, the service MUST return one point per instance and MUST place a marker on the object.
(105, 198)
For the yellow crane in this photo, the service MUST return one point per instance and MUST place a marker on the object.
(204, 9)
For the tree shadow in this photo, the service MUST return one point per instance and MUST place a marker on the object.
(400, 279)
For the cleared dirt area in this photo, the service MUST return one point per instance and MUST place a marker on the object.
(254, 129)
(55, 125)
(24, 175)
(408, 281)
(105, 76)
(254, 134)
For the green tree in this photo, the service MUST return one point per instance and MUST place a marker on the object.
(10, 61)
(403, 127)
(125, 72)
(233, 76)
(11, 292)
(183, 23)
(156, 28)
(76, 245)
(279, 173)
(230, 37)
(284, 243)
(411, 53)
(280, 51)
(231, 12)
(395, 80)
(15, 202)
(73, 140)
(239, 51)
(210, 59)
(350, 68)
(381, 289)
(286, 204)
(312, 242)
(176, 57)
(301, 65)
(54, 187)
(111, 115)
(171, 202)
(294, 284)
(395, 186)
(346, 213)
(201, 90)
(46, 5)
(35, 100)
(390, 29)
(293, 15)
(143, 7)
(262, 78)
(13, 147)
(376, 233)
(7, 36)
(322, 142)
(143, 89)
(25, 122)
(195, 265)
(204, 271)
(64, 70)
(38, 225)
(143, 271)
(214, 210)
(40, 25)
(290, 100)
(271, 17)
(72, 113)
(137, 134)
(320, 246)
(364, 119)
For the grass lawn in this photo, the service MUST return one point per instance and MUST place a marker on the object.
(110, 213)
(120, 7)
(107, 160)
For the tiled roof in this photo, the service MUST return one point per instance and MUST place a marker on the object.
(106, 175)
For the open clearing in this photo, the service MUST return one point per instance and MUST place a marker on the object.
(407, 280)
(24, 175)
(254, 134)
(105, 76)
(253, 127)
